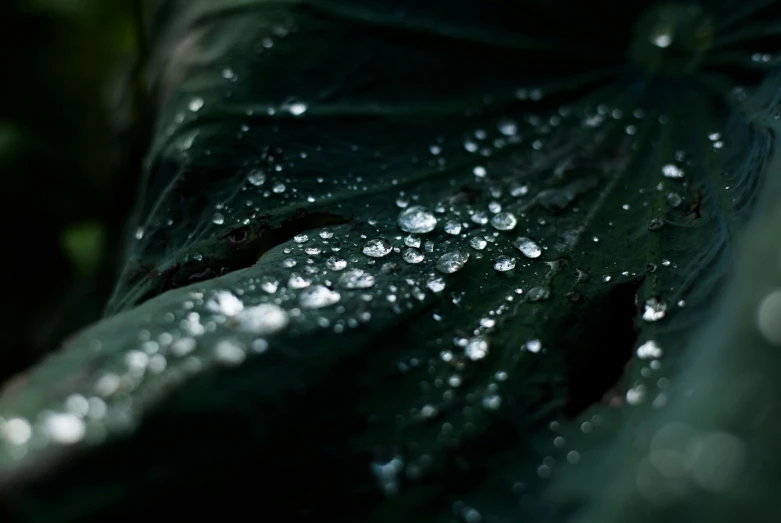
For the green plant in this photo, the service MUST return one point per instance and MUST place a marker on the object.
(427, 263)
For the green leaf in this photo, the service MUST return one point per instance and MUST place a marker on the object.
(387, 254)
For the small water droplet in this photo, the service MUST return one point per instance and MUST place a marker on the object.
(417, 220)
(265, 318)
(528, 247)
(335, 263)
(534, 346)
(256, 177)
(478, 243)
(412, 255)
(649, 350)
(453, 227)
(655, 224)
(452, 261)
(218, 218)
(540, 293)
(504, 263)
(654, 309)
(504, 221)
(318, 296)
(195, 104)
(224, 302)
(356, 279)
(672, 171)
(476, 348)
(436, 285)
(377, 248)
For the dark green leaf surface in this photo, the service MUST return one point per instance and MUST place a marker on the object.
(279, 342)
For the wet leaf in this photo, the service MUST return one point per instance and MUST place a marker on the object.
(389, 255)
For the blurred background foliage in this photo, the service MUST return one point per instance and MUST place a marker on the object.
(72, 120)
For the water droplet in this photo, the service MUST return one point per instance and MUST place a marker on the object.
(412, 241)
(492, 402)
(265, 318)
(278, 188)
(452, 261)
(476, 348)
(377, 248)
(229, 352)
(318, 296)
(504, 263)
(478, 243)
(195, 104)
(672, 171)
(218, 218)
(17, 431)
(453, 227)
(528, 247)
(540, 293)
(300, 238)
(654, 309)
(335, 263)
(534, 346)
(436, 285)
(674, 199)
(649, 350)
(479, 171)
(224, 302)
(412, 255)
(504, 221)
(297, 108)
(356, 279)
(256, 177)
(417, 220)
(769, 317)
(65, 428)
(655, 224)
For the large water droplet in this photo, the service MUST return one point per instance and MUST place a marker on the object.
(452, 261)
(417, 220)
(377, 248)
(528, 247)
(256, 177)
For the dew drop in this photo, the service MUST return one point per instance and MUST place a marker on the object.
(356, 279)
(654, 309)
(528, 247)
(769, 317)
(504, 221)
(318, 296)
(672, 171)
(412, 255)
(335, 263)
(649, 350)
(417, 220)
(453, 227)
(218, 218)
(224, 302)
(504, 263)
(476, 348)
(452, 261)
(265, 318)
(377, 248)
(436, 285)
(64, 428)
(256, 178)
(478, 243)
